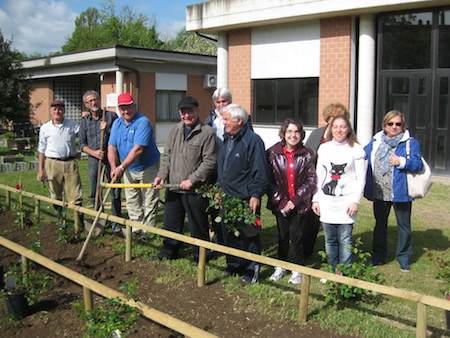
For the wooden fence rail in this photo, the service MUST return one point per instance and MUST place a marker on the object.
(90, 285)
(422, 300)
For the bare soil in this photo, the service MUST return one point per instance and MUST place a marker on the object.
(209, 308)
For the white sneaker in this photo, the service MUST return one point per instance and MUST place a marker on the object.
(277, 274)
(296, 278)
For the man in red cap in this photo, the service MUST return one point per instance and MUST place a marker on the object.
(58, 154)
(132, 144)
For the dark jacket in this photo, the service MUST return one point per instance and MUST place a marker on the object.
(305, 180)
(243, 171)
(193, 157)
(313, 141)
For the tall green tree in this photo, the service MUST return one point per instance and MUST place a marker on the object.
(14, 88)
(95, 28)
(191, 43)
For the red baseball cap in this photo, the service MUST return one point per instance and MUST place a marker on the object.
(125, 99)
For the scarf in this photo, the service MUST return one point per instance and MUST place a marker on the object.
(386, 149)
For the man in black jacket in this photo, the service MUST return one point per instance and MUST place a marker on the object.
(242, 172)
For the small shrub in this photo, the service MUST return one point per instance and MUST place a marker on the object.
(232, 210)
(131, 288)
(107, 317)
(360, 268)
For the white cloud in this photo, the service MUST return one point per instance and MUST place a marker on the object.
(168, 29)
(36, 25)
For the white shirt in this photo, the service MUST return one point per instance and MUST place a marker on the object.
(58, 140)
(341, 176)
(219, 126)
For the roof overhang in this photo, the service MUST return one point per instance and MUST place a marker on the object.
(222, 15)
(108, 59)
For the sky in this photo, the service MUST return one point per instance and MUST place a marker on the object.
(43, 26)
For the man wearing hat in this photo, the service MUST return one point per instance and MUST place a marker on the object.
(57, 156)
(189, 160)
(133, 155)
(92, 144)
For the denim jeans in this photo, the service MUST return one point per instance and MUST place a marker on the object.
(338, 243)
(381, 210)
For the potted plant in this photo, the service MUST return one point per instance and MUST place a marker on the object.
(15, 294)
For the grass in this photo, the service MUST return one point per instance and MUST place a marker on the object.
(390, 318)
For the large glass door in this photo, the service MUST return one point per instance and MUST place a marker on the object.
(414, 77)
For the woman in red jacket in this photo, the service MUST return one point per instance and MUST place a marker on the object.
(293, 183)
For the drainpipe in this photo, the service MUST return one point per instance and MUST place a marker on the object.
(222, 60)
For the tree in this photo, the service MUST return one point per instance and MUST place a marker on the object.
(14, 88)
(94, 29)
(191, 43)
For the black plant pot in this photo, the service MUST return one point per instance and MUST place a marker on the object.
(16, 305)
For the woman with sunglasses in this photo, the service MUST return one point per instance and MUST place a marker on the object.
(386, 185)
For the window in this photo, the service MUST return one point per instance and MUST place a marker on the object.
(167, 105)
(277, 99)
(406, 40)
(69, 90)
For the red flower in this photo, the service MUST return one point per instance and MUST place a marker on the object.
(258, 222)
(19, 186)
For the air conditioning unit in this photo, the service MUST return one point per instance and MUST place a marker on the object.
(210, 81)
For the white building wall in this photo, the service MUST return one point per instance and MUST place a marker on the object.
(286, 51)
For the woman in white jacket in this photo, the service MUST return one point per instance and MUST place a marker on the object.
(341, 176)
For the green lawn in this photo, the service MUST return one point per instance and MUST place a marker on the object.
(391, 318)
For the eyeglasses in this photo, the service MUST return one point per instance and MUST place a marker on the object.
(398, 124)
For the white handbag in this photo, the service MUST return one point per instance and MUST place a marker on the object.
(418, 183)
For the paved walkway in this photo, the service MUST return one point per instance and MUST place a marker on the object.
(441, 179)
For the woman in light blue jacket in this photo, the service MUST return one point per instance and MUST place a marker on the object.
(386, 185)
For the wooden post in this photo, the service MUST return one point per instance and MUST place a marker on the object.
(128, 243)
(76, 222)
(37, 210)
(20, 200)
(304, 298)
(201, 266)
(8, 199)
(24, 268)
(87, 299)
(421, 326)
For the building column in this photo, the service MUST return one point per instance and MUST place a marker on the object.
(222, 60)
(366, 78)
(119, 81)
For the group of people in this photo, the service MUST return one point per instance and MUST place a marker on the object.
(319, 182)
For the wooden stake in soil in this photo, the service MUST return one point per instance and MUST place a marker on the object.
(87, 299)
(8, 199)
(201, 267)
(24, 268)
(76, 222)
(304, 297)
(421, 326)
(91, 230)
(128, 243)
(37, 210)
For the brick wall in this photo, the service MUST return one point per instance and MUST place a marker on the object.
(195, 89)
(335, 57)
(239, 67)
(41, 94)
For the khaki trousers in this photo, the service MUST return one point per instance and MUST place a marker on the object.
(142, 204)
(64, 176)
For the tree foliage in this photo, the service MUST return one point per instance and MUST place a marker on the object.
(191, 43)
(95, 29)
(14, 88)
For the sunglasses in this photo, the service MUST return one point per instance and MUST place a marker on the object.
(398, 124)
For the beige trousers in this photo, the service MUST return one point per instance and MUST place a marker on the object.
(142, 204)
(64, 176)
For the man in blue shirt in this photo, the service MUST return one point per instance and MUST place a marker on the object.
(132, 143)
